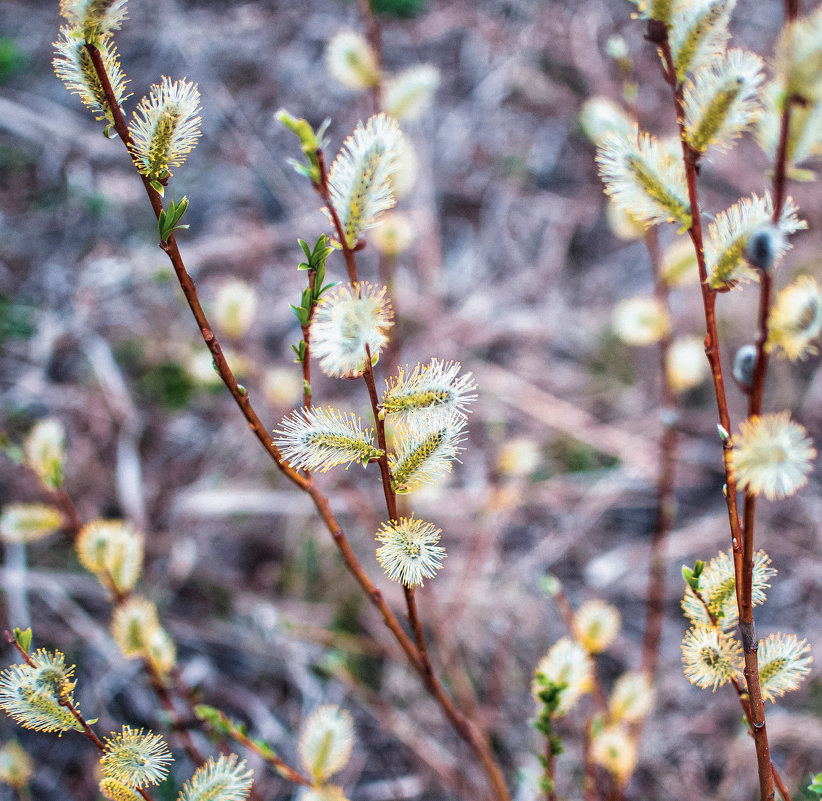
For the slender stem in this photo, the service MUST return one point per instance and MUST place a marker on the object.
(69, 510)
(66, 702)
(666, 500)
(464, 728)
(187, 285)
(659, 34)
(589, 781)
(416, 628)
(390, 495)
(306, 331)
(550, 771)
(373, 35)
(325, 193)
(283, 768)
(746, 711)
(569, 618)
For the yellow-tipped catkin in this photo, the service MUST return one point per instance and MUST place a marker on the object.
(717, 588)
(632, 697)
(326, 741)
(393, 234)
(795, 320)
(407, 95)
(772, 456)
(115, 791)
(410, 552)
(641, 320)
(348, 319)
(568, 663)
(784, 661)
(113, 551)
(686, 366)
(722, 100)
(596, 626)
(225, 778)
(615, 749)
(165, 127)
(319, 438)
(133, 626)
(350, 60)
(699, 33)
(710, 657)
(16, 766)
(134, 759)
(235, 306)
(644, 178)
(28, 522)
(32, 694)
(360, 178)
(44, 450)
(94, 20)
(74, 67)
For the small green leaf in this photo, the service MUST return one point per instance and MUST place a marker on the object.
(375, 357)
(158, 188)
(23, 638)
(816, 784)
(302, 315)
(306, 249)
(242, 390)
(107, 131)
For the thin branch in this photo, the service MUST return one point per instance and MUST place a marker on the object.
(325, 193)
(666, 500)
(659, 35)
(464, 728)
(66, 702)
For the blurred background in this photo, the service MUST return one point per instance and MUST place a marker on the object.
(513, 267)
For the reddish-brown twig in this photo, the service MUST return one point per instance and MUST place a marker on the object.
(658, 34)
(75, 713)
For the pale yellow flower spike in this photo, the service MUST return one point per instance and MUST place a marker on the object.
(772, 456)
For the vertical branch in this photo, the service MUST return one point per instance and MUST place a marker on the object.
(658, 33)
(187, 285)
(665, 503)
(306, 331)
(325, 193)
(463, 727)
(373, 35)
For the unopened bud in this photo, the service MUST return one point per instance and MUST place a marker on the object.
(44, 448)
(763, 246)
(744, 364)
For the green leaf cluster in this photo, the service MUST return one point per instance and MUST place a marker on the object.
(816, 784)
(549, 696)
(167, 222)
(315, 265)
(311, 142)
(691, 575)
(224, 725)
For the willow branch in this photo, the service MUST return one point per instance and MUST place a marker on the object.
(659, 35)
(466, 730)
(325, 193)
(75, 713)
(666, 501)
